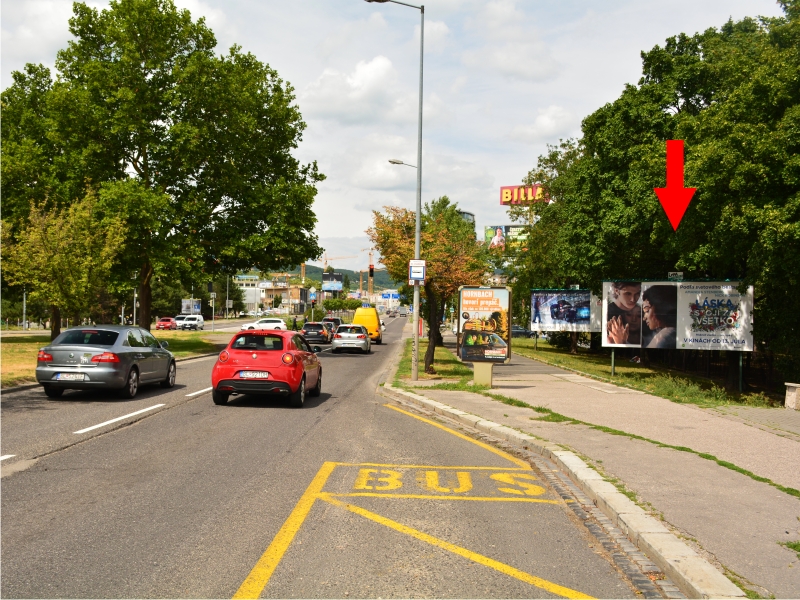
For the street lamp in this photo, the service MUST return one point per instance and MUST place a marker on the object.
(415, 350)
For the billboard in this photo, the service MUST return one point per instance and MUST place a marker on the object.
(565, 310)
(686, 315)
(484, 324)
(502, 236)
(521, 194)
(332, 282)
(188, 309)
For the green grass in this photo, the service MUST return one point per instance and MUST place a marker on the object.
(792, 546)
(188, 343)
(446, 364)
(685, 389)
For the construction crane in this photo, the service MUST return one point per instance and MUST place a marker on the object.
(370, 279)
(284, 275)
(326, 259)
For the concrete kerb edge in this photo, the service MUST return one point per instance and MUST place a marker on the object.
(28, 386)
(695, 576)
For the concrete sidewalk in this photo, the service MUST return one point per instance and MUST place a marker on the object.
(737, 523)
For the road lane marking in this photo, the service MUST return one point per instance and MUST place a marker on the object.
(133, 414)
(5, 456)
(208, 389)
(549, 586)
(259, 576)
(519, 462)
(426, 497)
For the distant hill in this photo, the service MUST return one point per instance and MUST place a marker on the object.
(382, 280)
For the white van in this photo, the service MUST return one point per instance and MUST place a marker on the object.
(191, 322)
(402, 311)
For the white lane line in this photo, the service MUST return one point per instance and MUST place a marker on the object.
(208, 389)
(133, 414)
(5, 456)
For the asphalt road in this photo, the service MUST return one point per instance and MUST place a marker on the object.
(346, 497)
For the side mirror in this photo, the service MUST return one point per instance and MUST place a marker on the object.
(317, 349)
(165, 345)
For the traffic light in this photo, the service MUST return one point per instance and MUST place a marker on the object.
(372, 270)
(313, 304)
(210, 287)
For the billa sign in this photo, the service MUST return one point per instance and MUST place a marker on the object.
(521, 194)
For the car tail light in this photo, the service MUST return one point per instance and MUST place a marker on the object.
(337, 336)
(287, 358)
(108, 357)
(223, 356)
(361, 336)
(44, 356)
(303, 331)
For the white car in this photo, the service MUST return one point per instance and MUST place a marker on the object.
(191, 322)
(266, 324)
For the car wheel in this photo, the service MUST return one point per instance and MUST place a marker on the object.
(334, 350)
(299, 397)
(251, 327)
(170, 380)
(379, 340)
(53, 392)
(219, 397)
(132, 385)
(369, 349)
(317, 388)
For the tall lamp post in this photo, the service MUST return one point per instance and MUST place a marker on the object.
(415, 350)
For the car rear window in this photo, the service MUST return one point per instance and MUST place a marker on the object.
(258, 342)
(88, 337)
(166, 319)
(349, 329)
(313, 327)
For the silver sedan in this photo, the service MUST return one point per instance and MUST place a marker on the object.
(351, 337)
(104, 357)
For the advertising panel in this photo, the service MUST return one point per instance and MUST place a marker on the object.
(501, 236)
(521, 194)
(484, 324)
(332, 282)
(565, 310)
(186, 306)
(677, 315)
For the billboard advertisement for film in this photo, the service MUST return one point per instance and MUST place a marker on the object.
(190, 307)
(685, 315)
(501, 236)
(565, 310)
(484, 324)
(332, 282)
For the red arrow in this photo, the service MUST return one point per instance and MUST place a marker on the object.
(675, 198)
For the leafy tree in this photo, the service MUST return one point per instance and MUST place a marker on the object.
(193, 148)
(64, 256)
(276, 301)
(448, 245)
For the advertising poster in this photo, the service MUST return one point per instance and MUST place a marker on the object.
(715, 316)
(502, 236)
(677, 315)
(565, 310)
(332, 282)
(484, 324)
(186, 306)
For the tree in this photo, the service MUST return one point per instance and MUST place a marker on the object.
(63, 256)
(276, 301)
(196, 146)
(452, 254)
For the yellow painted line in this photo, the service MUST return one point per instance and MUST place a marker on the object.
(259, 576)
(432, 467)
(424, 497)
(521, 463)
(549, 586)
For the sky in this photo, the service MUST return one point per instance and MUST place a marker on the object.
(502, 80)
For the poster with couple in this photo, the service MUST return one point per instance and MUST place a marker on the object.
(677, 315)
(565, 310)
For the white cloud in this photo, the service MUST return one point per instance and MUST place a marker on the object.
(345, 35)
(436, 36)
(550, 124)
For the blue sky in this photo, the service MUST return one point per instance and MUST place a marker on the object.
(503, 78)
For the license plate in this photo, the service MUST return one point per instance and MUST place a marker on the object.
(253, 374)
(70, 376)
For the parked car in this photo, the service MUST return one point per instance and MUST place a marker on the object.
(179, 319)
(104, 357)
(336, 321)
(369, 319)
(267, 362)
(267, 323)
(517, 331)
(167, 323)
(195, 322)
(316, 333)
(351, 337)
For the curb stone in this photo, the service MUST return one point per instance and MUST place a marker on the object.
(695, 576)
(28, 386)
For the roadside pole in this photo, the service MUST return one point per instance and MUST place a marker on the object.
(24, 307)
(134, 306)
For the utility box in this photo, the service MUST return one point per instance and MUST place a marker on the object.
(792, 396)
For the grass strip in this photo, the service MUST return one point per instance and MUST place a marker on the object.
(554, 417)
(792, 546)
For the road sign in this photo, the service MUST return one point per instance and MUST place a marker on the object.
(213, 295)
(229, 303)
(312, 295)
(313, 290)
(416, 270)
(365, 305)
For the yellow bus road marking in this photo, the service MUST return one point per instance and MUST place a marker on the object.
(549, 586)
(435, 467)
(519, 462)
(424, 497)
(260, 574)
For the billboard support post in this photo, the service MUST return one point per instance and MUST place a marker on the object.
(741, 378)
(613, 370)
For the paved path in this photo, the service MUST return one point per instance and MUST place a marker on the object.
(733, 520)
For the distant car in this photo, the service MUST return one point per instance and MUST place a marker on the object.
(104, 357)
(179, 319)
(166, 323)
(316, 333)
(336, 321)
(267, 362)
(329, 325)
(517, 331)
(351, 337)
(195, 322)
(267, 323)
(402, 311)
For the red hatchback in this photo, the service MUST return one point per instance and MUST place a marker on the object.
(267, 361)
(166, 323)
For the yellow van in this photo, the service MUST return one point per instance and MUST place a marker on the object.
(368, 317)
